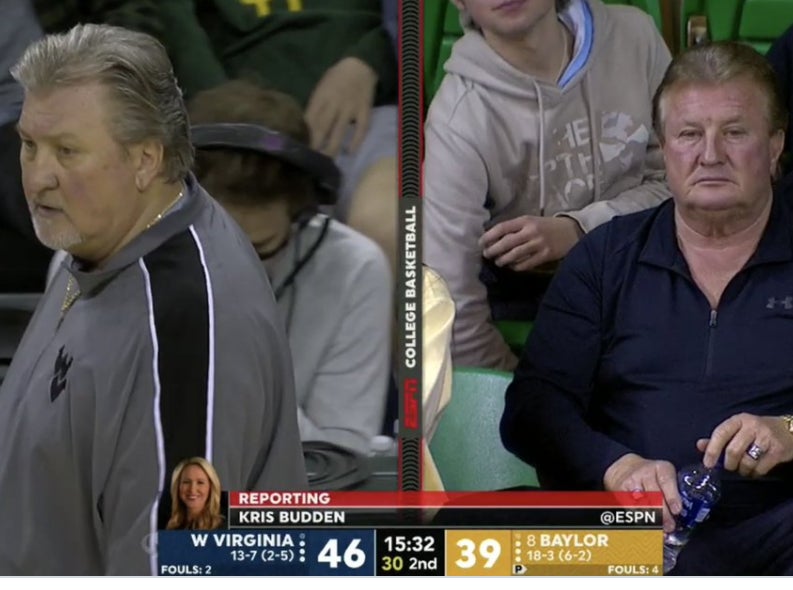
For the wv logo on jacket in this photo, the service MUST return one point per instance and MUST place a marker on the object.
(58, 383)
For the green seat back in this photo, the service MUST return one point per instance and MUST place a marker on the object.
(762, 21)
(756, 22)
(449, 30)
(466, 446)
(688, 8)
(651, 7)
(515, 333)
(434, 12)
(451, 21)
(723, 18)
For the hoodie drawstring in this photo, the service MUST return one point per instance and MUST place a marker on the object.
(538, 90)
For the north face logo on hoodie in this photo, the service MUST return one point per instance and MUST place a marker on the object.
(58, 383)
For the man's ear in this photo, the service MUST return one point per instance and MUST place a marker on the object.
(776, 145)
(147, 158)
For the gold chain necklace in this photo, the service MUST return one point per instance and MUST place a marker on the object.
(73, 289)
(72, 293)
(162, 213)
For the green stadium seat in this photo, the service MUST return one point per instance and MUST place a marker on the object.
(722, 18)
(451, 21)
(762, 21)
(466, 446)
(441, 29)
(515, 333)
(756, 22)
(651, 7)
(434, 12)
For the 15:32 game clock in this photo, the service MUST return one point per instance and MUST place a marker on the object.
(410, 552)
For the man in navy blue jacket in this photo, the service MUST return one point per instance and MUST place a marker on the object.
(666, 337)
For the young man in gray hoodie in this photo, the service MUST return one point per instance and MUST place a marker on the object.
(540, 131)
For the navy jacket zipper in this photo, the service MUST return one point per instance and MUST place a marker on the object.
(711, 337)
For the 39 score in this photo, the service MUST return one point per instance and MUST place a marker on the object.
(478, 553)
(488, 549)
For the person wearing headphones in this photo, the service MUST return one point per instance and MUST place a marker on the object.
(333, 285)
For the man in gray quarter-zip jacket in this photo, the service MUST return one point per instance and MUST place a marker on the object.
(157, 340)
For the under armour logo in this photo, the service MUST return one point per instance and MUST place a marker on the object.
(58, 383)
(786, 303)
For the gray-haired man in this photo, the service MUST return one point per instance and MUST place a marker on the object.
(157, 340)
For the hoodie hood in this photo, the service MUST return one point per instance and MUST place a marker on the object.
(473, 59)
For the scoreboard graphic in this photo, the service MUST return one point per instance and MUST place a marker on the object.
(424, 534)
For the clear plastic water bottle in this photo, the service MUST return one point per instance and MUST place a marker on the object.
(700, 490)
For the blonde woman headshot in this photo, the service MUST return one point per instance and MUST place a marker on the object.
(195, 496)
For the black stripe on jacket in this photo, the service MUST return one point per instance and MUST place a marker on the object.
(181, 320)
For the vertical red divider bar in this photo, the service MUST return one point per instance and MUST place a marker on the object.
(407, 30)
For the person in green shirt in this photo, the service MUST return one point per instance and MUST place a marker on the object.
(334, 57)
(56, 16)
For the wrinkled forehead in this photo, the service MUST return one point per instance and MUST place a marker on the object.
(77, 109)
(739, 98)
